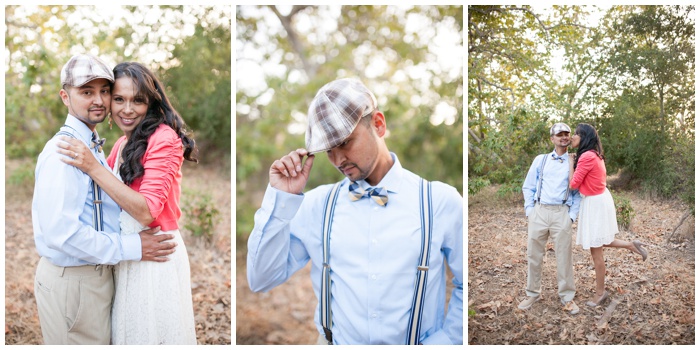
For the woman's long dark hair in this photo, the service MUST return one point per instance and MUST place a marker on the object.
(160, 111)
(589, 141)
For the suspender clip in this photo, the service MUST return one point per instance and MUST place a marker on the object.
(423, 268)
(329, 335)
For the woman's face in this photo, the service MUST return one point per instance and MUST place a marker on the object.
(575, 140)
(128, 108)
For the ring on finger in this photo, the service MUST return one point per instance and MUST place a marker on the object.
(75, 155)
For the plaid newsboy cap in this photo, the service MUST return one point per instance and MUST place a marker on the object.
(559, 127)
(335, 112)
(84, 68)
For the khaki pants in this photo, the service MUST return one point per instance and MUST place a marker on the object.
(74, 303)
(545, 221)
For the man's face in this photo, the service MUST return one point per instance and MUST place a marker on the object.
(90, 102)
(561, 139)
(357, 156)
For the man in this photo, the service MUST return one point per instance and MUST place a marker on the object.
(373, 246)
(77, 234)
(551, 209)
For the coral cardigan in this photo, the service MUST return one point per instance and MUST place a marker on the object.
(160, 183)
(589, 175)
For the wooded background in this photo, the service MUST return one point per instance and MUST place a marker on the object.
(187, 47)
(395, 50)
(631, 74)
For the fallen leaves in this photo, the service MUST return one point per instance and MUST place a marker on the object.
(655, 298)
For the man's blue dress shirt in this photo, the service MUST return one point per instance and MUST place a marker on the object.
(374, 253)
(554, 185)
(62, 211)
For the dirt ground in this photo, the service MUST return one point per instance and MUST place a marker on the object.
(210, 262)
(284, 315)
(651, 302)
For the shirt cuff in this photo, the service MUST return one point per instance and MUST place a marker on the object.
(285, 205)
(131, 245)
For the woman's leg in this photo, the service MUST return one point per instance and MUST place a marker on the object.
(599, 265)
(618, 243)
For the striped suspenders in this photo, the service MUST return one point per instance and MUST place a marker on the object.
(325, 314)
(426, 197)
(325, 309)
(96, 196)
(539, 183)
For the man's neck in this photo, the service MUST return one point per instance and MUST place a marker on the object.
(384, 164)
(560, 150)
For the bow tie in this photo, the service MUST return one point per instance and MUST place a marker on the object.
(378, 194)
(560, 158)
(97, 142)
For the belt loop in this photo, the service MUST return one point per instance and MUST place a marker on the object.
(63, 269)
(99, 268)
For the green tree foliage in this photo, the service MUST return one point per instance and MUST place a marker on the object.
(203, 78)
(631, 76)
(174, 41)
(651, 123)
(315, 45)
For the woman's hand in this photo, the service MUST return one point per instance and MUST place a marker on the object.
(78, 154)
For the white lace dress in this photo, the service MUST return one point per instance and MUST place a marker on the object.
(152, 300)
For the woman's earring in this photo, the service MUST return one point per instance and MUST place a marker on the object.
(110, 122)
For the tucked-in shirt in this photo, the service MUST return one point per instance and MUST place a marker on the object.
(555, 184)
(160, 183)
(589, 176)
(374, 254)
(62, 210)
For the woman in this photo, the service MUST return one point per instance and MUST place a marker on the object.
(597, 223)
(153, 300)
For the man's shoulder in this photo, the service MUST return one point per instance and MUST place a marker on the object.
(446, 193)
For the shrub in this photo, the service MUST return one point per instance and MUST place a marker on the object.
(476, 184)
(201, 215)
(623, 211)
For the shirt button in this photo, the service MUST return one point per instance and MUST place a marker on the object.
(283, 205)
(374, 277)
(374, 315)
(376, 207)
(374, 241)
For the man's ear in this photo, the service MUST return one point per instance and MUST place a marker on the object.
(64, 97)
(379, 123)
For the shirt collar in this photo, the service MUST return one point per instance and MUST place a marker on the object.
(392, 179)
(554, 153)
(83, 131)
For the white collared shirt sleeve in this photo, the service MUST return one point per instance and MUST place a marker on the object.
(60, 196)
(274, 254)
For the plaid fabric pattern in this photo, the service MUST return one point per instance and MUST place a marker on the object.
(82, 69)
(378, 194)
(97, 142)
(335, 111)
(559, 127)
